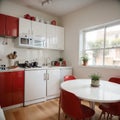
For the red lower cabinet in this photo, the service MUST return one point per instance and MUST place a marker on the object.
(18, 87)
(5, 89)
(11, 88)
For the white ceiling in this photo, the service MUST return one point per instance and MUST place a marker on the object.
(57, 7)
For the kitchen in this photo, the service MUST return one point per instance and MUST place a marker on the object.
(26, 74)
(72, 23)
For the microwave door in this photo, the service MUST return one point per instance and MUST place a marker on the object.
(24, 41)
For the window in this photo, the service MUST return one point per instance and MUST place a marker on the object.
(101, 44)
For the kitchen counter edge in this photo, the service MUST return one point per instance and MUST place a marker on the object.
(41, 68)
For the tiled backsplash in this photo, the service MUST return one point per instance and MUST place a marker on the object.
(7, 46)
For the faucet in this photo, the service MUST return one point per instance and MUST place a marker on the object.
(48, 61)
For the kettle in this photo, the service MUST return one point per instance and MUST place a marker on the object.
(35, 64)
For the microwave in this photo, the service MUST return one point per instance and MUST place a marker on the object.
(25, 41)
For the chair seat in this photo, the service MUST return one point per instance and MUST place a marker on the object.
(87, 112)
(111, 108)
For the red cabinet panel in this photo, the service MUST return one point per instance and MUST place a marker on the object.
(18, 87)
(11, 26)
(11, 88)
(2, 24)
(5, 89)
(8, 25)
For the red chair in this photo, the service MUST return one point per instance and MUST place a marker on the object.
(69, 77)
(72, 107)
(111, 108)
(115, 80)
(66, 78)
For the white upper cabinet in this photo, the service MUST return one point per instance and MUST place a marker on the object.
(60, 37)
(43, 35)
(33, 28)
(39, 34)
(51, 37)
(24, 27)
(55, 37)
(38, 29)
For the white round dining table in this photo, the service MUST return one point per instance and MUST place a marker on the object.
(107, 92)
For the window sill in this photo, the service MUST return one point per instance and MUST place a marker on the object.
(97, 66)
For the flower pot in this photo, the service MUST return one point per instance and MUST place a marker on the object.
(60, 63)
(85, 63)
(95, 83)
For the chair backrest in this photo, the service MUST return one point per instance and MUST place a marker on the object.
(70, 104)
(115, 106)
(115, 80)
(69, 77)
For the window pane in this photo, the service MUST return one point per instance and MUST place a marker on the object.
(112, 56)
(113, 36)
(94, 39)
(95, 57)
(102, 44)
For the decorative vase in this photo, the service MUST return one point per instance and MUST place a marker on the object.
(95, 83)
(11, 62)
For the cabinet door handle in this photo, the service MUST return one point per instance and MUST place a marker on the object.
(45, 76)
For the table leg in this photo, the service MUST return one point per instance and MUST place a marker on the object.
(92, 105)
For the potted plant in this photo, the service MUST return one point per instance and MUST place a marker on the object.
(95, 79)
(84, 59)
(60, 60)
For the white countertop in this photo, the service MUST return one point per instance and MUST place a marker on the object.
(49, 67)
(38, 68)
(13, 69)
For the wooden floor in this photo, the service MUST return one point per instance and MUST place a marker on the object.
(43, 111)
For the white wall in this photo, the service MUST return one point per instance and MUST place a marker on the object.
(9, 7)
(13, 9)
(102, 11)
(24, 54)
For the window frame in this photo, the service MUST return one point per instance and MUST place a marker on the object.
(82, 42)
